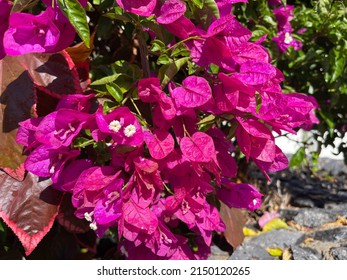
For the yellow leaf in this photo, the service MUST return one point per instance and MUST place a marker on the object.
(276, 223)
(275, 252)
(250, 232)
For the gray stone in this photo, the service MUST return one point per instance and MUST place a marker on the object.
(314, 217)
(338, 209)
(300, 253)
(218, 254)
(338, 234)
(339, 253)
(278, 238)
(251, 252)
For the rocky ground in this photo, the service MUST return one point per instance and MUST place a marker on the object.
(314, 209)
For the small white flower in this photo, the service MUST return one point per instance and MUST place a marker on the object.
(115, 126)
(87, 217)
(129, 130)
(288, 38)
(93, 226)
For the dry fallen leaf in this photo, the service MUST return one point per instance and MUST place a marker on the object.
(234, 220)
(287, 254)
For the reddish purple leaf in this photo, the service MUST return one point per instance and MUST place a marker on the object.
(28, 208)
(198, 148)
(17, 97)
(195, 91)
(55, 74)
(160, 143)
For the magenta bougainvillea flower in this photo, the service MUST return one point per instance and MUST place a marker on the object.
(195, 91)
(139, 7)
(50, 31)
(284, 40)
(240, 195)
(284, 16)
(274, 2)
(121, 124)
(5, 9)
(47, 161)
(29, 33)
(60, 127)
(255, 140)
(170, 11)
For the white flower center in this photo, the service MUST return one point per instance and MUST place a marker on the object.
(115, 126)
(88, 217)
(255, 202)
(129, 130)
(288, 38)
(93, 226)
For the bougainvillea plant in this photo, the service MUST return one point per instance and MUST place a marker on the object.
(135, 131)
(316, 45)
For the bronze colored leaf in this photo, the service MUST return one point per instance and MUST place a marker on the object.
(55, 74)
(17, 98)
(28, 207)
(234, 220)
(68, 220)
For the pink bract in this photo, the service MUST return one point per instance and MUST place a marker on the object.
(139, 7)
(170, 11)
(29, 33)
(5, 9)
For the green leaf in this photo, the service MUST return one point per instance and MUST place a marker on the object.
(157, 45)
(106, 80)
(298, 157)
(168, 71)
(198, 3)
(163, 59)
(338, 63)
(115, 91)
(212, 7)
(77, 17)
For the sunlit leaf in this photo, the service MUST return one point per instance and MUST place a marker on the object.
(275, 224)
(77, 17)
(275, 252)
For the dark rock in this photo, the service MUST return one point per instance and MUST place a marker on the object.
(278, 238)
(288, 214)
(339, 253)
(300, 253)
(251, 252)
(314, 217)
(302, 202)
(338, 234)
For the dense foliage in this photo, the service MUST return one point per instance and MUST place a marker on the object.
(128, 118)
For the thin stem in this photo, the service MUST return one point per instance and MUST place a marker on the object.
(183, 41)
(143, 54)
